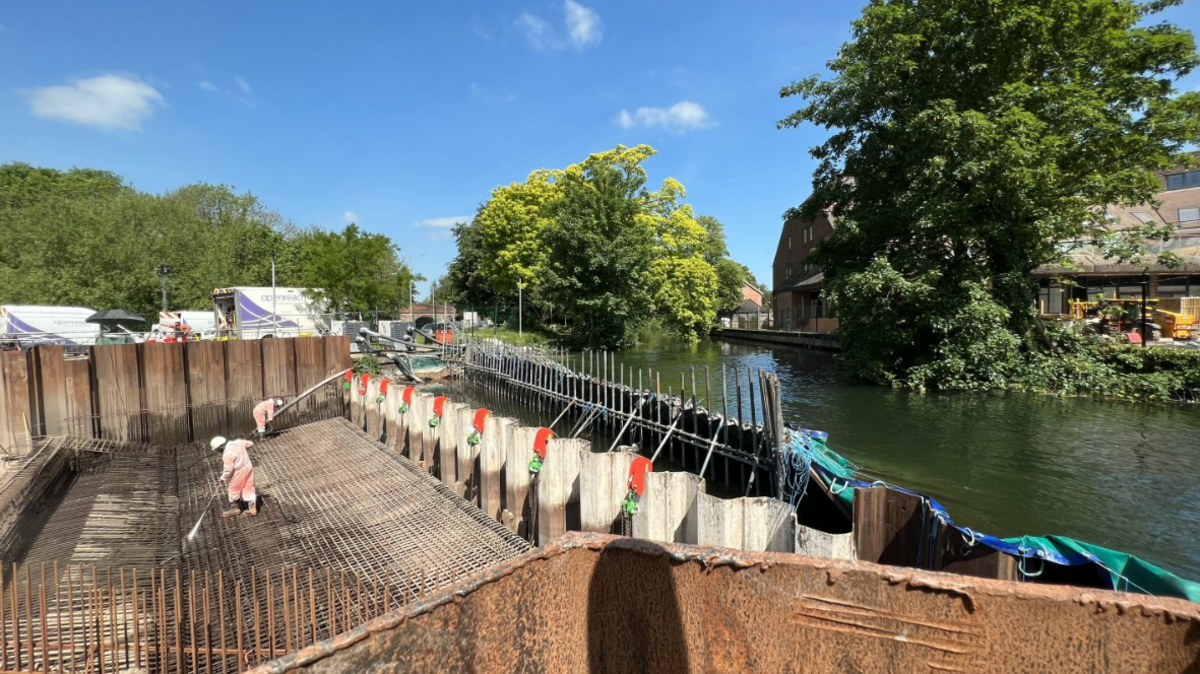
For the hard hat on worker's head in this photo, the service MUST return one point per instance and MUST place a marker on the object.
(279, 402)
(217, 442)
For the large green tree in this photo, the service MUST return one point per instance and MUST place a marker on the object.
(971, 140)
(600, 247)
(466, 279)
(352, 270)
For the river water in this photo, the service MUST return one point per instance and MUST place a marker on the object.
(1121, 475)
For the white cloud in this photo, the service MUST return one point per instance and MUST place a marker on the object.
(106, 102)
(683, 116)
(446, 222)
(539, 33)
(242, 94)
(583, 25)
(350, 216)
(441, 228)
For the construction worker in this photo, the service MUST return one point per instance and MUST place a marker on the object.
(264, 413)
(238, 475)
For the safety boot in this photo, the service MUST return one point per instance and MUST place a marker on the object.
(253, 510)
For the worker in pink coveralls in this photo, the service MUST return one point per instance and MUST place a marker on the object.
(264, 413)
(238, 475)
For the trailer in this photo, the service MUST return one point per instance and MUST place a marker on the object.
(23, 326)
(254, 313)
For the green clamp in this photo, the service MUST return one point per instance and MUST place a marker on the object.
(535, 465)
(473, 439)
(379, 399)
(434, 421)
(403, 408)
(346, 385)
(629, 506)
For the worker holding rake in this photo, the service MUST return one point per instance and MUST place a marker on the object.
(238, 475)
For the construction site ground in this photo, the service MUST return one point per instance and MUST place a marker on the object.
(330, 498)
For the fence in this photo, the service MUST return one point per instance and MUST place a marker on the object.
(157, 393)
(98, 620)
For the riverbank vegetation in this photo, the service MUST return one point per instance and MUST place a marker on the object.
(972, 143)
(85, 237)
(593, 254)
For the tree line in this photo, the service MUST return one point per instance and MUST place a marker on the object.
(594, 254)
(85, 237)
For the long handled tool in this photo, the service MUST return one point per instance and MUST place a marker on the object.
(196, 529)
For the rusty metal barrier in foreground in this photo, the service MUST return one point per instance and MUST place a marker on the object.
(98, 620)
(596, 603)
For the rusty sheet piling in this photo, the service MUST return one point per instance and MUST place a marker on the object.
(621, 605)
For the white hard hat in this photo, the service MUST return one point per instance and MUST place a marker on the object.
(217, 442)
(279, 402)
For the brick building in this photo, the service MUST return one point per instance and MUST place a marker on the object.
(797, 283)
(1179, 202)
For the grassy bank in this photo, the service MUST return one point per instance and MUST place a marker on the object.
(527, 338)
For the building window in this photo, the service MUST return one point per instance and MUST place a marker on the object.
(810, 232)
(1182, 181)
(1142, 216)
(788, 273)
(1189, 214)
(789, 241)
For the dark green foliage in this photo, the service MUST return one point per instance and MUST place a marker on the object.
(970, 140)
(600, 254)
(466, 282)
(355, 270)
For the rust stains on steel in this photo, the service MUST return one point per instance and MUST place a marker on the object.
(610, 604)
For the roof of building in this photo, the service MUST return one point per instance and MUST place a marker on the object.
(811, 279)
(748, 307)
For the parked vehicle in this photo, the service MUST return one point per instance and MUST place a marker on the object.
(253, 313)
(26, 326)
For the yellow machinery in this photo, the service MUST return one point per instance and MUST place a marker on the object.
(1175, 324)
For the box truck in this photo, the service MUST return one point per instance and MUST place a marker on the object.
(26, 326)
(253, 313)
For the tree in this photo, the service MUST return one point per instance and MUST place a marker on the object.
(510, 231)
(352, 270)
(440, 292)
(682, 282)
(466, 279)
(971, 142)
(600, 247)
(716, 249)
(731, 277)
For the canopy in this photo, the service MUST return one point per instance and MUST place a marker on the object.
(114, 317)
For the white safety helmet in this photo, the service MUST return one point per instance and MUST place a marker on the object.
(279, 402)
(217, 442)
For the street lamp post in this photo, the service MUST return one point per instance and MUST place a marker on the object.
(521, 306)
(162, 270)
(274, 300)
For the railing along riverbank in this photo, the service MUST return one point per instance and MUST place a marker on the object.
(694, 426)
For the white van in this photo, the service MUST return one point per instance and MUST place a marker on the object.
(31, 325)
(252, 313)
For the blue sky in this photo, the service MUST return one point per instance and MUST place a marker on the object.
(404, 116)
